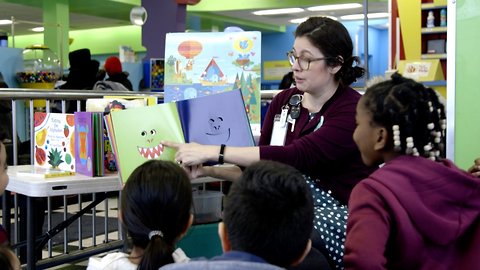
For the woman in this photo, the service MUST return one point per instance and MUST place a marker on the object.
(309, 127)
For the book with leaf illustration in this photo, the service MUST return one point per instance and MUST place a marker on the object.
(54, 141)
(215, 119)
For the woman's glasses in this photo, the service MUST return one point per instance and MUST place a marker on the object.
(304, 63)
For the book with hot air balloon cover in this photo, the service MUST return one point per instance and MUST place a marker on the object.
(215, 119)
(201, 64)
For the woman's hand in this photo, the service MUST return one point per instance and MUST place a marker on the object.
(190, 154)
(475, 169)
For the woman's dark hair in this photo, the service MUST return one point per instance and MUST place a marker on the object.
(333, 40)
(156, 197)
(414, 111)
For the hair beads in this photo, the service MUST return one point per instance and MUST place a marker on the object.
(412, 112)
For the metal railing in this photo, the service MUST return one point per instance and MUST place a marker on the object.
(28, 97)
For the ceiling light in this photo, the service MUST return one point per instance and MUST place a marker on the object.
(38, 29)
(335, 7)
(5, 22)
(300, 20)
(360, 16)
(278, 11)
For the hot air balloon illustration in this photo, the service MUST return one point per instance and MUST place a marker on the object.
(189, 49)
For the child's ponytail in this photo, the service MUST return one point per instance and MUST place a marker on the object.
(157, 253)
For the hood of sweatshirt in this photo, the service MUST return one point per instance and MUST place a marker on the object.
(441, 200)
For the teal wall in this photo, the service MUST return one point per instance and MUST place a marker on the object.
(467, 94)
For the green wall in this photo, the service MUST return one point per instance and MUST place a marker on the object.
(467, 92)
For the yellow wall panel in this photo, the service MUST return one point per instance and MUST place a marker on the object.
(410, 26)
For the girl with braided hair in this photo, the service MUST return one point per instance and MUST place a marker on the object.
(156, 212)
(418, 211)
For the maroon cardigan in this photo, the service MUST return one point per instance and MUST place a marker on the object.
(329, 153)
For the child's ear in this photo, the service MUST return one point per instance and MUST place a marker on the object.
(187, 226)
(381, 139)
(308, 247)
(222, 233)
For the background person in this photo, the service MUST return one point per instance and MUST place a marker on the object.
(418, 211)
(113, 67)
(316, 138)
(287, 81)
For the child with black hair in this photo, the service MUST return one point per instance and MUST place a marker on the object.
(267, 221)
(156, 212)
(418, 211)
(8, 259)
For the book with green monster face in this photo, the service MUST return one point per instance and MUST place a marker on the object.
(214, 119)
(137, 133)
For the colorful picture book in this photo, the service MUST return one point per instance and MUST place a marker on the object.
(116, 103)
(89, 143)
(215, 119)
(106, 105)
(54, 141)
(84, 144)
(201, 64)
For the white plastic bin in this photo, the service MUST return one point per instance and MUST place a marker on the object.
(207, 206)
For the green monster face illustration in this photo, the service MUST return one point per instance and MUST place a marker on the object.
(138, 133)
(148, 145)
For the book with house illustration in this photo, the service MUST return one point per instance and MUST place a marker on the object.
(54, 141)
(202, 64)
(136, 134)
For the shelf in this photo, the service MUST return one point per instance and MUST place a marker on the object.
(434, 30)
(434, 56)
(426, 6)
(435, 83)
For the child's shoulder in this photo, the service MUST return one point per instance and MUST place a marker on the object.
(111, 261)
